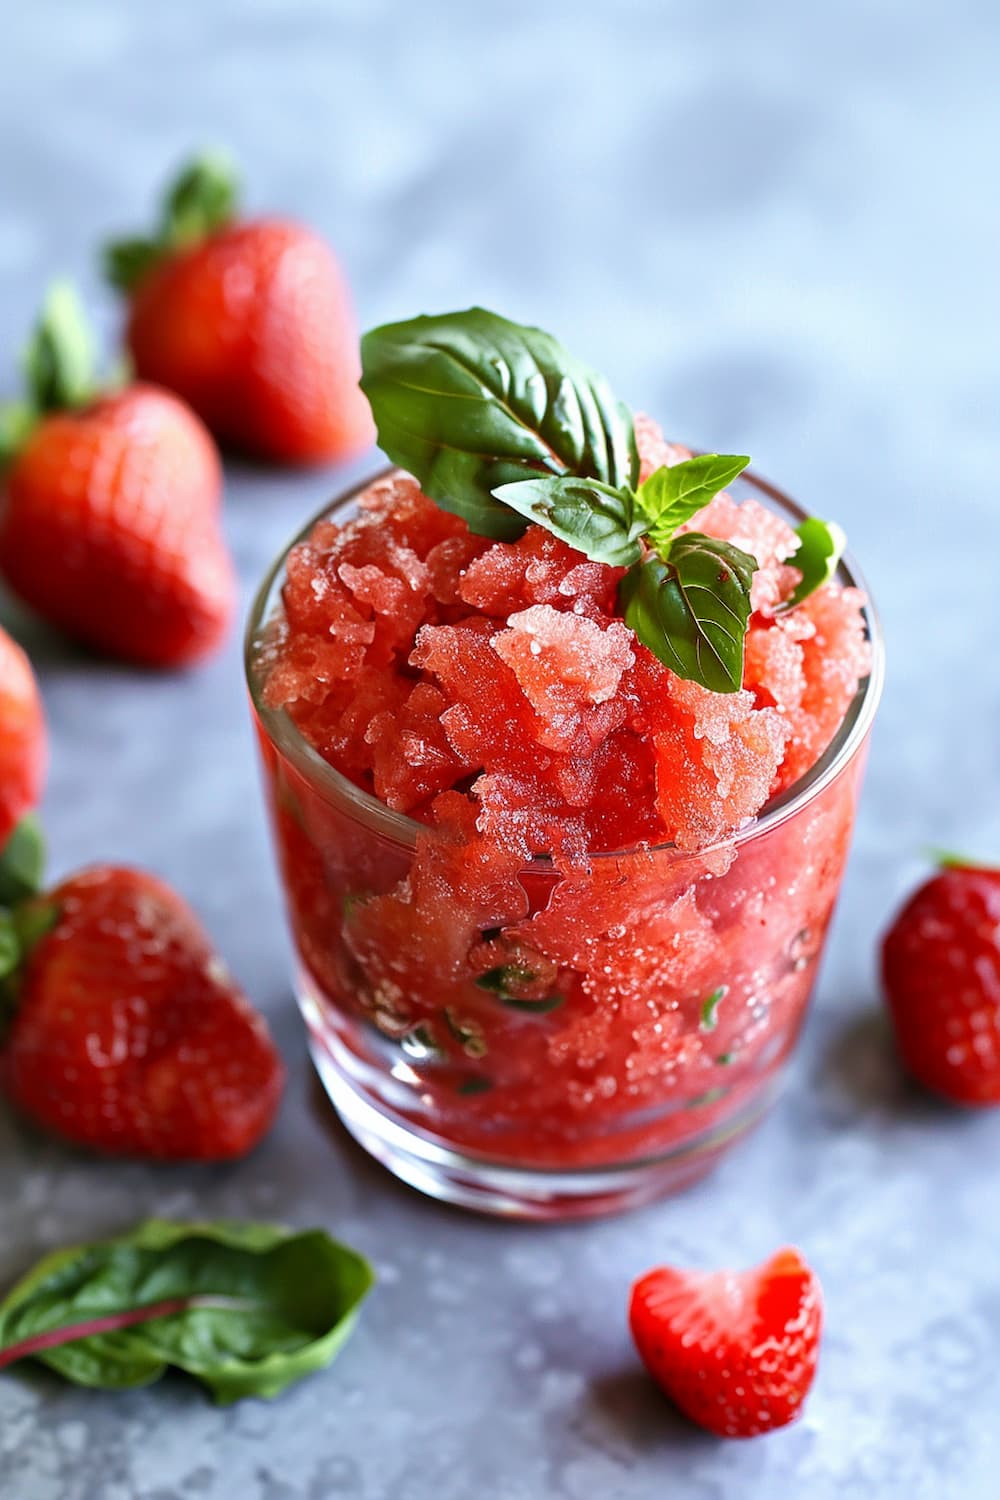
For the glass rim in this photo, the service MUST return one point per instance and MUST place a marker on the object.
(404, 830)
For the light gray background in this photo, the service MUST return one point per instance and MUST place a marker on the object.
(775, 225)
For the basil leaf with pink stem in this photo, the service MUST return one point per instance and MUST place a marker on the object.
(596, 519)
(821, 546)
(469, 401)
(691, 608)
(676, 492)
(245, 1308)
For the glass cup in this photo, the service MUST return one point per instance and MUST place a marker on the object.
(603, 1057)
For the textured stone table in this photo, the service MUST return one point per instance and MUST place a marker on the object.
(775, 226)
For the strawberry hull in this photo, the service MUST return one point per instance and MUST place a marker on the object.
(579, 1029)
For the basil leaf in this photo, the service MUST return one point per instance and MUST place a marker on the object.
(245, 1308)
(821, 546)
(691, 608)
(22, 862)
(598, 520)
(468, 401)
(676, 492)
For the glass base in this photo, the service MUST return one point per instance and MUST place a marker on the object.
(476, 1182)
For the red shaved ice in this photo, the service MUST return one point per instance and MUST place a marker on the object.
(580, 944)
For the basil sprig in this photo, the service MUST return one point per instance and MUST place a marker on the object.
(245, 1308)
(469, 401)
(502, 427)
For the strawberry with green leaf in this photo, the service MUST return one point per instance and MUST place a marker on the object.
(249, 320)
(110, 519)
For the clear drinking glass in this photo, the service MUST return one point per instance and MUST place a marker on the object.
(528, 1089)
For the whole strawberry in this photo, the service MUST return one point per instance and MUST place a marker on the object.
(249, 320)
(23, 738)
(735, 1350)
(941, 975)
(128, 1035)
(110, 524)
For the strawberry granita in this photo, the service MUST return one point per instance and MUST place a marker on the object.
(558, 910)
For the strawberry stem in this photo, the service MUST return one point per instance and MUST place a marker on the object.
(202, 199)
(946, 859)
(59, 358)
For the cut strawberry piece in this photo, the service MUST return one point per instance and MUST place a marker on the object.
(941, 974)
(736, 1351)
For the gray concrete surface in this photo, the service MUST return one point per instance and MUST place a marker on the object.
(775, 225)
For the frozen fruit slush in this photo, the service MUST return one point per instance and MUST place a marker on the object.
(585, 949)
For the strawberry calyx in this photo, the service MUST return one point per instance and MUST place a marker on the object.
(22, 862)
(202, 199)
(947, 859)
(25, 916)
(59, 367)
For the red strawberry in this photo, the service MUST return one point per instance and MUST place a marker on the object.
(110, 525)
(941, 974)
(128, 1035)
(735, 1350)
(23, 739)
(249, 321)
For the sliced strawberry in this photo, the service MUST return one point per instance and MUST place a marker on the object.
(735, 1350)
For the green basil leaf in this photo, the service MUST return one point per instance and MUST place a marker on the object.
(598, 520)
(691, 608)
(676, 492)
(468, 401)
(821, 546)
(22, 862)
(245, 1308)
